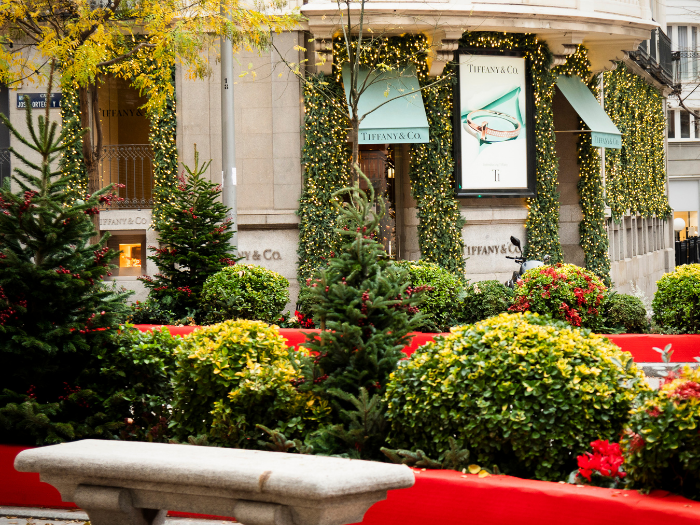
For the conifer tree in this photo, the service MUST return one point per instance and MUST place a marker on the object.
(54, 307)
(366, 312)
(194, 231)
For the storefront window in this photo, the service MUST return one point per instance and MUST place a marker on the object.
(691, 223)
(130, 256)
(132, 260)
(685, 124)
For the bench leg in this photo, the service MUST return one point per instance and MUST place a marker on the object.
(113, 506)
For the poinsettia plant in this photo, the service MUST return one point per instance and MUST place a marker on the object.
(600, 468)
(563, 291)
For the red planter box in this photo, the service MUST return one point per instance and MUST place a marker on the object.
(451, 498)
(448, 498)
(641, 346)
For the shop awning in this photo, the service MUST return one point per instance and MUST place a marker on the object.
(604, 134)
(401, 120)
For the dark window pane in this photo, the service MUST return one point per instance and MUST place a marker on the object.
(685, 125)
(671, 124)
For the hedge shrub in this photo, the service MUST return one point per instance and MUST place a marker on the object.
(626, 312)
(565, 292)
(676, 302)
(441, 304)
(522, 391)
(245, 291)
(485, 299)
(661, 442)
(135, 382)
(234, 375)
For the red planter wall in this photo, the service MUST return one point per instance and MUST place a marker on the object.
(450, 498)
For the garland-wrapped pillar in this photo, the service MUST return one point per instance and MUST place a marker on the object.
(636, 174)
(72, 161)
(325, 158)
(432, 184)
(162, 136)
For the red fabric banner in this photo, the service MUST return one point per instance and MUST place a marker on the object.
(641, 346)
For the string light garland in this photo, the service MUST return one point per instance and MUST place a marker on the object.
(72, 161)
(326, 158)
(636, 174)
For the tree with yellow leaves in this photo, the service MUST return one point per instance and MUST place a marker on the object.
(138, 40)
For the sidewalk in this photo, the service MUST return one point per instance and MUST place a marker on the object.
(44, 516)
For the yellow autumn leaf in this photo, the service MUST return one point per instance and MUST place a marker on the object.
(474, 469)
(484, 474)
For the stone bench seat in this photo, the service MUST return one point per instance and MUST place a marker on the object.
(134, 483)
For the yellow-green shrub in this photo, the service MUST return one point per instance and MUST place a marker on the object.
(676, 302)
(234, 375)
(521, 391)
(662, 441)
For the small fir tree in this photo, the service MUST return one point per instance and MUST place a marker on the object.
(54, 307)
(366, 314)
(194, 231)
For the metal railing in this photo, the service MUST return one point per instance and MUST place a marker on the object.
(656, 57)
(688, 251)
(130, 165)
(5, 165)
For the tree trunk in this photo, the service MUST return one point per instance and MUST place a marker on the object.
(354, 138)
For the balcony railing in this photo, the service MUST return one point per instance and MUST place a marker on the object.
(688, 251)
(656, 57)
(130, 165)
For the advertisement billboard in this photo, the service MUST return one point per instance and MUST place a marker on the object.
(493, 126)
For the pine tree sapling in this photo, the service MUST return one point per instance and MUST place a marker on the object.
(194, 233)
(366, 314)
(54, 307)
(364, 309)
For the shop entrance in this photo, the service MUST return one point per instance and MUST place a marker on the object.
(379, 163)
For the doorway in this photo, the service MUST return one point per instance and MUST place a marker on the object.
(377, 162)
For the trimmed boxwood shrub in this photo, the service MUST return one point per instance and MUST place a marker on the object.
(661, 443)
(441, 302)
(626, 312)
(244, 291)
(485, 299)
(676, 302)
(234, 375)
(565, 292)
(521, 391)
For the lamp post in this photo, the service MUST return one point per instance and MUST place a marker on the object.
(228, 136)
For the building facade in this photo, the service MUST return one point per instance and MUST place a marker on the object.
(683, 24)
(272, 120)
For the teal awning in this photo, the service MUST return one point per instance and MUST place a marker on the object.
(400, 120)
(604, 134)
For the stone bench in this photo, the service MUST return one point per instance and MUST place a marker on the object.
(133, 483)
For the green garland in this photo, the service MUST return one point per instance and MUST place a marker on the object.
(162, 135)
(325, 158)
(592, 231)
(636, 174)
(71, 163)
(432, 184)
(543, 215)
